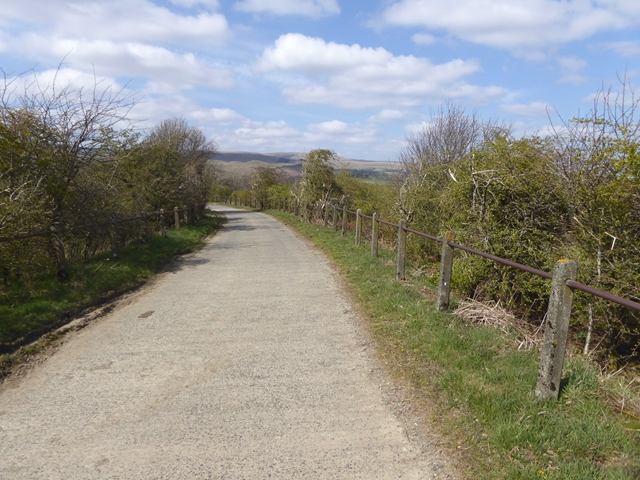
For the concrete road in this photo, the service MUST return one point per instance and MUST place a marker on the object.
(244, 362)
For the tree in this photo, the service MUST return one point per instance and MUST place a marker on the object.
(318, 182)
(263, 181)
(67, 130)
(191, 150)
(427, 156)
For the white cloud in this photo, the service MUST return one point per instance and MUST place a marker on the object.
(309, 8)
(351, 76)
(218, 116)
(570, 68)
(118, 20)
(624, 48)
(532, 109)
(415, 127)
(340, 132)
(515, 24)
(162, 66)
(423, 39)
(386, 116)
(211, 4)
(259, 134)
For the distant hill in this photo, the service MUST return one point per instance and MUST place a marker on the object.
(242, 163)
(260, 157)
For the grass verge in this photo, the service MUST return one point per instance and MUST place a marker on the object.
(30, 310)
(481, 386)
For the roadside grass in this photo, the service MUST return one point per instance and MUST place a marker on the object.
(28, 310)
(480, 385)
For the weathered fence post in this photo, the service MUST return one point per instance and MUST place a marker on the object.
(326, 214)
(163, 223)
(334, 218)
(556, 331)
(176, 216)
(402, 251)
(58, 243)
(186, 217)
(358, 226)
(375, 230)
(344, 221)
(446, 272)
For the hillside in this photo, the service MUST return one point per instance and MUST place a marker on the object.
(243, 163)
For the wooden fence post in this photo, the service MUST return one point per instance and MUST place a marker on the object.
(334, 218)
(176, 216)
(326, 215)
(296, 208)
(556, 331)
(163, 223)
(375, 230)
(358, 226)
(115, 241)
(344, 221)
(402, 251)
(186, 217)
(58, 243)
(446, 272)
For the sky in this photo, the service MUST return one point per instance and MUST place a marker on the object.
(354, 76)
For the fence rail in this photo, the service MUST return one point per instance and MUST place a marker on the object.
(563, 283)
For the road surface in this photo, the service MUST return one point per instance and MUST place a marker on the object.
(244, 362)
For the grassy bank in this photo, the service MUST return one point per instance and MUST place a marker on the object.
(481, 386)
(30, 309)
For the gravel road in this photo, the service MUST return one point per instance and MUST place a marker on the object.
(244, 362)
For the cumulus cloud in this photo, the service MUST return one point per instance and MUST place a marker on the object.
(211, 4)
(352, 76)
(260, 134)
(386, 116)
(515, 24)
(161, 65)
(119, 20)
(309, 8)
(218, 116)
(532, 109)
(340, 132)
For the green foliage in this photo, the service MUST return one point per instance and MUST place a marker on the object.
(533, 201)
(266, 183)
(318, 182)
(71, 158)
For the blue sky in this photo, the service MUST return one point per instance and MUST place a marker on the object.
(356, 76)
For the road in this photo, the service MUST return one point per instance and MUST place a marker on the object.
(246, 361)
